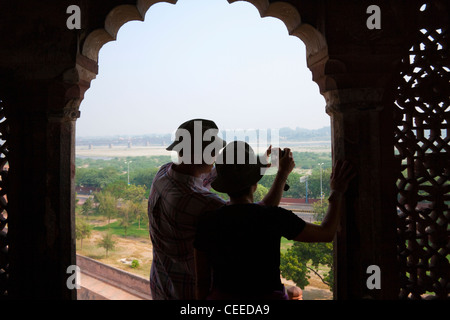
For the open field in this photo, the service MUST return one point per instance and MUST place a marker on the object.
(148, 151)
(121, 152)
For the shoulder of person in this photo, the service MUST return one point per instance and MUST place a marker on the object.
(162, 170)
(275, 209)
(209, 195)
(165, 166)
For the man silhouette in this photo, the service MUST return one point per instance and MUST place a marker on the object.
(178, 196)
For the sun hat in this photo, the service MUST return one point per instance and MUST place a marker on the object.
(237, 167)
(195, 127)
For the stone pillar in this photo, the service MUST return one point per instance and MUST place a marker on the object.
(41, 198)
(355, 77)
(362, 129)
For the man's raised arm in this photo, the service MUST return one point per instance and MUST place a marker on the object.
(286, 165)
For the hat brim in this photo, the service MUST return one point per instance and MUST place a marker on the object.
(171, 146)
(218, 140)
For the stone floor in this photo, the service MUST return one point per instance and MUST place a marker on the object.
(105, 290)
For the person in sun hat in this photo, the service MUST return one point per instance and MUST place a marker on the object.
(237, 246)
(179, 194)
(192, 140)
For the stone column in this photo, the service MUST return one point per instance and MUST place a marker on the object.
(41, 197)
(362, 127)
(355, 78)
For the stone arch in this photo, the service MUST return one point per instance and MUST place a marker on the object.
(115, 19)
(316, 46)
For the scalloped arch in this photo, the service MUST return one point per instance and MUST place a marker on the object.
(315, 43)
(115, 19)
(316, 46)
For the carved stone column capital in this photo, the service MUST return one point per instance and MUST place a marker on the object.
(354, 100)
(69, 113)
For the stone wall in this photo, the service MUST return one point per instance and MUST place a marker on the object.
(132, 283)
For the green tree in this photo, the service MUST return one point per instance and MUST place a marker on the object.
(139, 210)
(124, 213)
(293, 264)
(107, 242)
(129, 210)
(107, 204)
(83, 230)
(320, 210)
(98, 178)
(121, 190)
(310, 160)
(143, 176)
(116, 188)
(294, 269)
(133, 202)
(134, 193)
(267, 180)
(297, 189)
(87, 207)
(314, 183)
(260, 193)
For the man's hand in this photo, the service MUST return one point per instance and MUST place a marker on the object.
(285, 165)
(286, 162)
(266, 157)
(341, 176)
(268, 152)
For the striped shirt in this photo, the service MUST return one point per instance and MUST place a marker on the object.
(176, 201)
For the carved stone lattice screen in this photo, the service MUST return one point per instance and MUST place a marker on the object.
(422, 146)
(4, 262)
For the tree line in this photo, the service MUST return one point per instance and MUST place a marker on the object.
(100, 173)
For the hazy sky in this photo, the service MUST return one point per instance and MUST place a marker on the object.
(201, 59)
